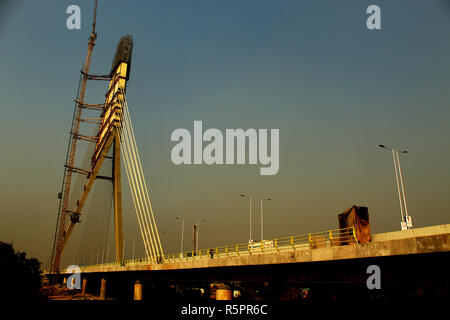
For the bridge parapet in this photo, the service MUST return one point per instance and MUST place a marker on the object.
(414, 241)
(324, 239)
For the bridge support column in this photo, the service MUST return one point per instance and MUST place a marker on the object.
(83, 287)
(138, 290)
(223, 292)
(103, 290)
(117, 188)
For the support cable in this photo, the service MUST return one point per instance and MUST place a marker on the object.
(137, 204)
(127, 115)
(139, 179)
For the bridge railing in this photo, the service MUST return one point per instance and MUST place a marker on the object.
(336, 237)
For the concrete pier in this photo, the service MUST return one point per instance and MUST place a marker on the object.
(83, 287)
(138, 290)
(103, 290)
(223, 292)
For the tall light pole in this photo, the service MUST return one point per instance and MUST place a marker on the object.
(163, 236)
(123, 257)
(244, 195)
(136, 241)
(182, 233)
(406, 222)
(198, 233)
(262, 217)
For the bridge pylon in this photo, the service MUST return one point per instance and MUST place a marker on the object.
(108, 138)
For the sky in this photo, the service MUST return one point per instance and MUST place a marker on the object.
(312, 69)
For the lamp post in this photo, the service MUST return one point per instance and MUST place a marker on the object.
(198, 234)
(406, 222)
(136, 241)
(244, 196)
(262, 217)
(182, 233)
(163, 237)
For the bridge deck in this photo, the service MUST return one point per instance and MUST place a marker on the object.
(413, 241)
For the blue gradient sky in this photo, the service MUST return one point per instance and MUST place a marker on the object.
(310, 68)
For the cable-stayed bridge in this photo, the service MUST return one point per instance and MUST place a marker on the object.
(323, 262)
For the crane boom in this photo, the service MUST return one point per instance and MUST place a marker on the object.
(70, 158)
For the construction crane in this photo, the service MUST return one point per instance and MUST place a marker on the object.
(71, 151)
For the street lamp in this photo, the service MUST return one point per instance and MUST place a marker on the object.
(163, 239)
(182, 233)
(244, 196)
(406, 219)
(198, 233)
(262, 217)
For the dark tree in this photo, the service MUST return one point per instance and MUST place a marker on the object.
(20, 277)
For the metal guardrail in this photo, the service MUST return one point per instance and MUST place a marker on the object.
(337, 237)
(330, 238)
